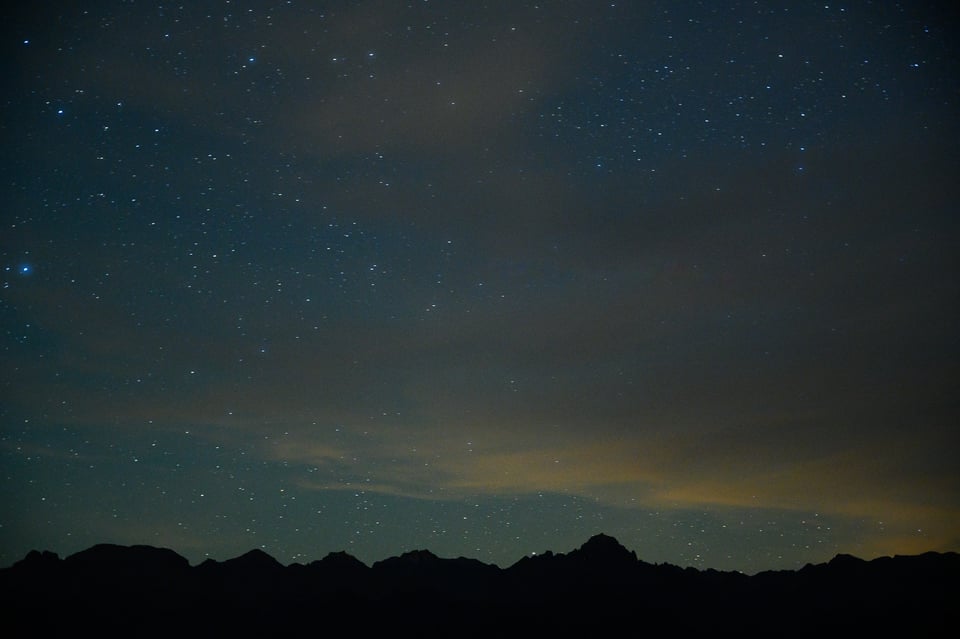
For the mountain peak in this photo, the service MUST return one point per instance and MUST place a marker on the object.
(418, 556)
(129, 555)
(602, 539)
(604, 548)
(341, 559)
(255, 558)
(844, 559)
(36, 557)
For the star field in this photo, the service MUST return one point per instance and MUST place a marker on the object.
(483, 278)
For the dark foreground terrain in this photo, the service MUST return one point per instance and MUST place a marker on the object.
(599, 589)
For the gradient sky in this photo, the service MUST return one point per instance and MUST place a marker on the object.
(481, 277)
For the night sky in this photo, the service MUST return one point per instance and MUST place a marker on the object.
(485, 278)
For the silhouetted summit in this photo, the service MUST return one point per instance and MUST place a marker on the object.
(145, 558)
(421, 573)
(341, 563)
(124, 570)
(605, 550)
(126, 590)
(254, 559)
(37, 560)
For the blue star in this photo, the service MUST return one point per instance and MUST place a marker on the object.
(25, 269)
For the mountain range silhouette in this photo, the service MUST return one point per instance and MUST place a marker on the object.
(598, 588)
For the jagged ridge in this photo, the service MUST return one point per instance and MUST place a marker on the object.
(599, 582)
